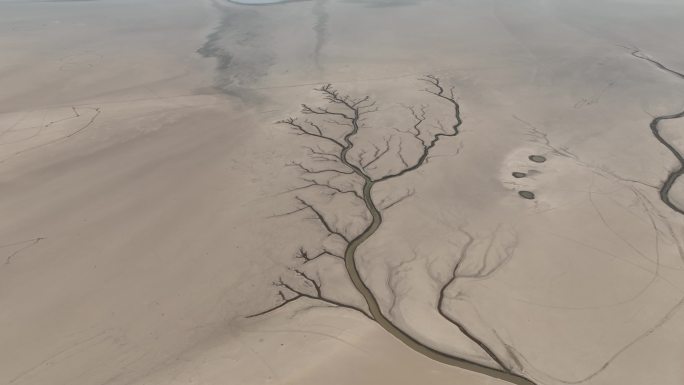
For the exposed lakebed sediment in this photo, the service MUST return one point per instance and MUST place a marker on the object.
(674, 175)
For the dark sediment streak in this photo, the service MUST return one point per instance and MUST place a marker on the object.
(321, 30)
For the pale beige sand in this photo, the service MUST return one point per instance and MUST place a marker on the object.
(139, 180)
(134, 198)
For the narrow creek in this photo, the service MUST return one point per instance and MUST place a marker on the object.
(376, 312)
(674, 175)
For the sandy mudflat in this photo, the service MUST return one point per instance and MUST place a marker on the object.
(488, 193)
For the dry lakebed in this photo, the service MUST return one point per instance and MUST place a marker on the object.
(457, 192)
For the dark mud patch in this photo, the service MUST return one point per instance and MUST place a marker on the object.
(526, 194)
